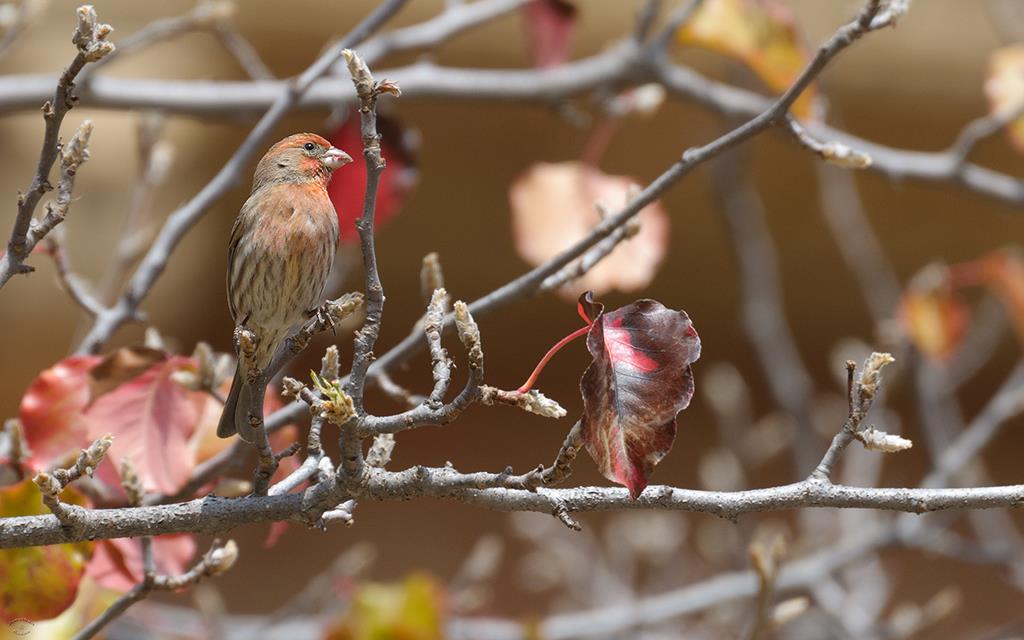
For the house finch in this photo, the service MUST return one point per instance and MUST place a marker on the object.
(282, 247)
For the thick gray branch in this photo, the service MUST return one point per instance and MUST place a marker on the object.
(213, 515)
(620, 66)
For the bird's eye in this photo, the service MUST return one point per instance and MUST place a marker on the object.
(309, 146)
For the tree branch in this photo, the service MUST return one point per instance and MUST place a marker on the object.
(219, 559)
(214, 515)
(91, 39)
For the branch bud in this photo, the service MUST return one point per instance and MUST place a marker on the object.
(875, 440)
(91, 457)
(131, 482)
(871, 375)
(222, 557)
(329, 365)
(48, 485)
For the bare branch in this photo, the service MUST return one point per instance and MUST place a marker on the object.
(242, 50)
(214, 515)
(91, 39)
(368, 91)
(441, 365)
(831, 152)
(76, 289)
(625, 64)
(451, 22)
(52, 483)
(862, 395)
(427, 414)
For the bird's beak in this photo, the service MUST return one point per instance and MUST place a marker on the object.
(335, 158)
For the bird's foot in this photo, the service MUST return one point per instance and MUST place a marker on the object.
(324, 317)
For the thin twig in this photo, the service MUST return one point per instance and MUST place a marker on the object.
(52, 483)
(242, 51)
(763, 314)
(76, 289)
(90, 38)
(368, 91)
(219, 559)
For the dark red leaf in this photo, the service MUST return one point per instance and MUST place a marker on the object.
(639, 381)
(348, 186)
(550, 25)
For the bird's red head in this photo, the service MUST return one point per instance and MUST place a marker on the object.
(299, 158)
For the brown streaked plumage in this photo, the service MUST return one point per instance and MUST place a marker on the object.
(281, 250)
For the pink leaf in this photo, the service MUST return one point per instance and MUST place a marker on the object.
(51, 411)
(553, 208)
(151, 418)
(348, 186)
(550, 25)
(639, 381)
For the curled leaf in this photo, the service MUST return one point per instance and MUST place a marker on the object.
(121, 366)
(639, 381)
(761, 34)
(553, 207)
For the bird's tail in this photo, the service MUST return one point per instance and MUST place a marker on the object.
(235, 417)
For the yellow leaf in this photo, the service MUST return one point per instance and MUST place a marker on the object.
(934, 318)
(759, 33)
(409, 610)
(91, 602)
(37, 583)
(1005, 89)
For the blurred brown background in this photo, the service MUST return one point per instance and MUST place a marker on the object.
(911, 87)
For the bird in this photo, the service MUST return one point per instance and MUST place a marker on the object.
(280, 254)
